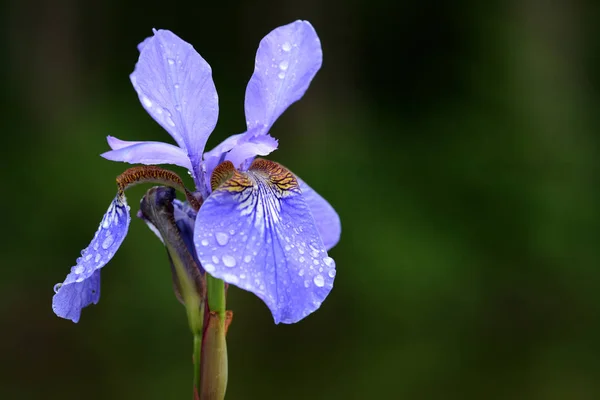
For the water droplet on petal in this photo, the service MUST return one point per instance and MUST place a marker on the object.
(57, 287)
(209, 268)
(108, 242)
(331, 273)
(248, 258)
(283, 65)
(286, 46)
(89, 257)
(301, 272)
(78, 269)
(146, 101)
(215, 259)
(204, 242)
(281, 75)
(222, 238)
(328, 261)
(287, 247)
(306, 283)
(97, 258)
(230, 278)
(229, 261)
(301, 259)
(319, 281)
(316, 262)
(170, 61)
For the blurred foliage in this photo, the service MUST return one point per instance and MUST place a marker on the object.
(457, 140)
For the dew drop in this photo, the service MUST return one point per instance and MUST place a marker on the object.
(331, 273)
(229, 261)
(215, 259)
(287, 247)
(78, 269)
(204, 242)
(146, 101)
(57, 287)
(283, 65)
(316, 262)
(209, 268)
(242, 276)
(300, 250)
(281, 75)
(89, 257)
(301, 259)
(232, 232)
(319, 281)
(222, 238)
(328, 261)
(301, 272)
(230, 278)
(108, 242)
(97, 258)
(248, 258)
(286, 46)
(306, 283)
(171, 61)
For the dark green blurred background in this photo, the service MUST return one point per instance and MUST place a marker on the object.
(458, 141)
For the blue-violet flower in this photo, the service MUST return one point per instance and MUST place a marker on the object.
(260, 227)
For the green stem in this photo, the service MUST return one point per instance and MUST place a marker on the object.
(215, 289)
(197, 360)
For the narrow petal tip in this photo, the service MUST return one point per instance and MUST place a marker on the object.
(82, 285)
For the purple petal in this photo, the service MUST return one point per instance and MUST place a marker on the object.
(82, 285)
(327, 220)
(216, 156)
(175, 86)
(286, 61)
(252, 147)
(148, 153)
(256, 232)
(237, 149)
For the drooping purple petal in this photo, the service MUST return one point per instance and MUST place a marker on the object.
(175, 86)
(82, 285)
(148, 153)
(286, 61)
(327, 220)
(255, 231)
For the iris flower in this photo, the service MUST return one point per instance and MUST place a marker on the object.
(260, 227)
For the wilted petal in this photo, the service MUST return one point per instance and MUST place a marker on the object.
(327, 220)
(82, 285)
(148, 153)
(175, 86)
(256, 231)
(185, 218)
(286, 61)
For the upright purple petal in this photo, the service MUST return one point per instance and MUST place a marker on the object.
(327, 220)
(255, 231)
(148, 153)
(175, 86)
(82, 285)
(286, 61)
